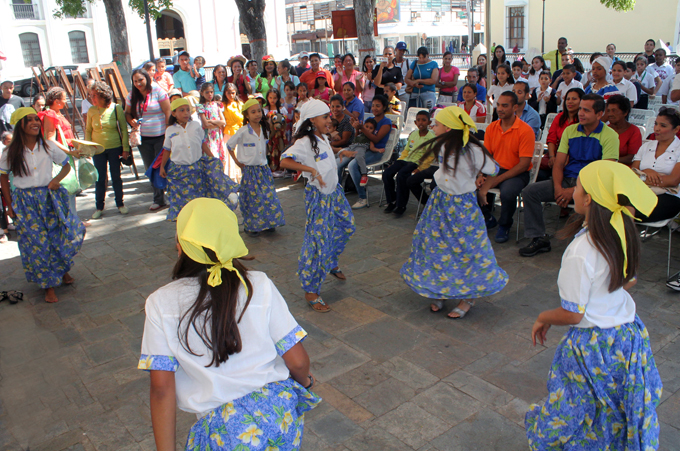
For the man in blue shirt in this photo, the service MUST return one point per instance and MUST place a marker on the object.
(473, 78)
(529, 115)
(183, 78)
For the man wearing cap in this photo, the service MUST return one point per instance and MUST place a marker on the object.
(309, 77)
(8, 104)
(183, 79)
(402, 63)
(303, 66)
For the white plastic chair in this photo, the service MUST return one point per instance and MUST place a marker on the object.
(649, 126)
(409, 124)
(387, 154)
(645, 236)
(654, 102)
(660, 105)
(548, 123)
(640, 117)
(643, 131)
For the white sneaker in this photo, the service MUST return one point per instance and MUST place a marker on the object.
(361, 203)
(154, 207)
(123, 210)
(97, 214)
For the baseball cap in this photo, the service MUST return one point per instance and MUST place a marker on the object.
(401, 45)
(303, 55)
(321, 74)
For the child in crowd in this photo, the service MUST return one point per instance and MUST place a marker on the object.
(451, 256)
(302, 94)
(360, 145)
(647, 80)
(38, 102)
(199, 62)
(260, 205)
(394, 104)
(624, 86)
(568, 82)
(248, 380)
(212, 119)
(504, 82)
(330, 222)
(277, 138)
(333, 133)
(162, 78)
(473, 107)
(289, 103)
(234, 119)
(517, 74)
(174, 94)
(192, 170)
(321, 89)
(603, 383)
(544, 98)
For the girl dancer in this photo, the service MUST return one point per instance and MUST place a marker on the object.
(260, 205)
(451, 256)
(330, 222)
(193, 171)
(220, 343)
(604, 386)
(49, 233)
(212, 121)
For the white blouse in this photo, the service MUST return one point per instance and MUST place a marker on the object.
(496, 90)
(666, 162)
(470, 163)
(301, 152)
(628, 89)
(583, 284)
(39, 162)
(267, 329)
(251, 149)
(185, 143)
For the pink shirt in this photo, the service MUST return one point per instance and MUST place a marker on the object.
(448, 77)
(352, 78)
(165, 81)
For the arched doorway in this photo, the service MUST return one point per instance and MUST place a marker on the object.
(170, 33)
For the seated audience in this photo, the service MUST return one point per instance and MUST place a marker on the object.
(630, 138)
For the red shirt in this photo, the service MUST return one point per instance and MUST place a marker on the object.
(58, 121)
(240, 86)
(630, 141)
(555, 132)
(309, 78)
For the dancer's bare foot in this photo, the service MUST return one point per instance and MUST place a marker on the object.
(51, 296)
(67, 279)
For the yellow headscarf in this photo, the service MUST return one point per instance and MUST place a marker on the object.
(249, 103)
(456, 119)
(604, 180)
(21, 113)
(178, 103)
(211, 224)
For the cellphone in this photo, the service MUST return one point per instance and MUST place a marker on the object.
(381, 59)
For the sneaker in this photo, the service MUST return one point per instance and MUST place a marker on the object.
(537, 246)
(97, 214)
(674, 282)
(491, 222)
(123, 210)
(364, 180)
(390, 208)
(503, 234)
(399, 211)
(155, 207)
(361, 203)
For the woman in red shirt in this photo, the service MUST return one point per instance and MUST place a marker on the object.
(630, 138)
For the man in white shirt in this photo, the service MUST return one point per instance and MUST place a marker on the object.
(402, 63)
(667, 84)
(675, 90)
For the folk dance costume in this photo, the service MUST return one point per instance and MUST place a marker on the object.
(451, 256)
(604, 386)
(259, 203)
(214, 136)
(330, 222)
(49, 234)
(191, 174)
(248, 402)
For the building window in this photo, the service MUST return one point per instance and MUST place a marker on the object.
(78, 47)
(516, 27)
(30, 48)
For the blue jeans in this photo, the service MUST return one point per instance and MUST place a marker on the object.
(426, 99)
(110, 157)
(355, 173)
(367, 106)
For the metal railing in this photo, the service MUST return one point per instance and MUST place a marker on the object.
(26, 11)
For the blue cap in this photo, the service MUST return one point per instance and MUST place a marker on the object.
(401, 45)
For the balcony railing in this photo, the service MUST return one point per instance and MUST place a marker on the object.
(28, 11)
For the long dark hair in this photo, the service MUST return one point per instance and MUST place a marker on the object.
(565, 114)
(15, 150)
(213, 313)
(495, 61)
(226, 75)
(508, 70)
(452, 142)
(532, 71)
(307, 129)
(607, 241)
(264, 73)
(277, 105)
(264, 123)
(136, 97)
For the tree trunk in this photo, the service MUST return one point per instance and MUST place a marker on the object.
(364, 11)
(115, 16)
(252, 18)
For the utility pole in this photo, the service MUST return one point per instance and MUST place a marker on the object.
(543, 30)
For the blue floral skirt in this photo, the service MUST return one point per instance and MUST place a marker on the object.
(50, 235)
(271, 418)
(330, 224)
(604, 388)
(260, 206)
(451, 256)
(204, 178)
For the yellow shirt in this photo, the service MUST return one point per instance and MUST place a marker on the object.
(233, 117)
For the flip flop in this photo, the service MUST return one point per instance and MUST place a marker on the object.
(460, 311)
(322, 306)
(338, 274)
(15, 296)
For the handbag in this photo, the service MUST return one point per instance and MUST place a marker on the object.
(126, 161)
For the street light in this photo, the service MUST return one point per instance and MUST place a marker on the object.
(543, 30)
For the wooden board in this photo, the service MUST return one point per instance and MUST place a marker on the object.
(46, 80)
(64, 82)
(113, 78)
(38, 81)
(93, 73)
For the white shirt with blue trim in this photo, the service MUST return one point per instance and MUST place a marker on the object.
(185, 143)
(251, 148)
(39, 162)
(324, 162)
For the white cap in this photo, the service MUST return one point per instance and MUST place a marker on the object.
(303, 55)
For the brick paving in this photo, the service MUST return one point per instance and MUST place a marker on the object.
(393, 375)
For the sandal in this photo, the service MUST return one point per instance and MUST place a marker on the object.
(460, 311)
(438, 304)
(318, 305)
(15, 296)
(337, 272)
(3, 296)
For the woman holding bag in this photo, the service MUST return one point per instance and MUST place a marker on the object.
(106, 126)
(147, 111)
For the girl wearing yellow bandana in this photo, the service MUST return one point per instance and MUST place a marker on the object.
(604, 386)
(189, 165)
(220, 343)
(451, 256)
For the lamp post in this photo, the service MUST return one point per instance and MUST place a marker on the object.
(148, 29)
(543, 30)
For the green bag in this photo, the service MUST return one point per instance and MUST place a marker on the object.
(70, 182)
(87, 173)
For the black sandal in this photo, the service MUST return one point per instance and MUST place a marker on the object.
(3, 296)
(15, 296)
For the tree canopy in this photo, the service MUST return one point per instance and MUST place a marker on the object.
(618, 5)
(74, 8)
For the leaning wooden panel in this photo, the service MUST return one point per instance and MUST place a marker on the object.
(47, 83)
(38, 82)
(93, 73)
(64, 81)
(122, 89)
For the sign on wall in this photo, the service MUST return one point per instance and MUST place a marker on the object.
(388, 11)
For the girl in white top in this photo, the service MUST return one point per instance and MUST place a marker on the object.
(603, 384)
(220, 343)
(504, 82)
(330, 222)
(259, 203)
(624, 86)
(473, 107)
(189, 165)
(50, 234)
(451, 256)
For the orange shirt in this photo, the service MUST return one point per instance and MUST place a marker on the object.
(309, 77)
(508, 147)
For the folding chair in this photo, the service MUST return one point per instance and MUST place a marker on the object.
(645, 236)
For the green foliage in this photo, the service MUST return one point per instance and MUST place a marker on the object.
(618, 5)
(72, 8)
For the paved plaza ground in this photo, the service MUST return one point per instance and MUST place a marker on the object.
(393, 375)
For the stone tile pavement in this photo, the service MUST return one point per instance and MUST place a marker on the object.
(393, 375)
